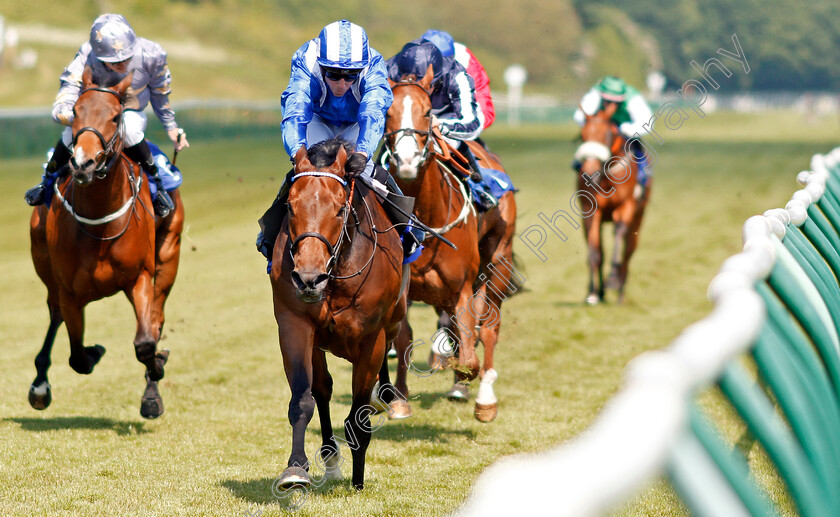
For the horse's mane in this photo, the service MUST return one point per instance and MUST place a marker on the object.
(323, 154)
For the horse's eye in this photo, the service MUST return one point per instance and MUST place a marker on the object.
(116, 119)
(289, 207)
(341, 211)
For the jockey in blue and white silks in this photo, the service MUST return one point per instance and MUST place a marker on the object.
(338, 88)
(312, 112)
(455, 109)
(113, 52)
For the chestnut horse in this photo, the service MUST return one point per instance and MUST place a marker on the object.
(337, 282)
(607, 183)
(470, 282)
(99, 237)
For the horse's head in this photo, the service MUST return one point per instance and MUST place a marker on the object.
(408, 125)
(318, 211)
(97, 128)
(601, 141)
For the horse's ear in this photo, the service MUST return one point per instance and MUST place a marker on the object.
(585, 114)
(87, 78)
(301, 156)
(123, 85)
(341, 157)
(426, 82)
(391, 83)
(610, 109)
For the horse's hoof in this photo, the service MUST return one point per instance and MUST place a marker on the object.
(332, 468)
(458, 393)
(92, 356)
(151, 407)
(436, 362)
(485, 412)
(399, 409)
(592, 299)
(293, 477)
(40, 396)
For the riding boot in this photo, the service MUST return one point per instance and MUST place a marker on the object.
(54, 168)
(272, 219)
(484, 198)
(142, 154)
(411, 236)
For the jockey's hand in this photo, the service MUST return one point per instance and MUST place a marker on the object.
(178, 137)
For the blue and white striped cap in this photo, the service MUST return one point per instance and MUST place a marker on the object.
(343, 44)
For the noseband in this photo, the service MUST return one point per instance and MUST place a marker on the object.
(333, 249)
(109, 147)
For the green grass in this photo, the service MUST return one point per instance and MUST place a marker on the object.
(225, 435)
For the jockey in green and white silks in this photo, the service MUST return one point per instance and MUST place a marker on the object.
(631, 115)
(113, 52)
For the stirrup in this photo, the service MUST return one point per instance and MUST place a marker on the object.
(163, 203)
(37, 195)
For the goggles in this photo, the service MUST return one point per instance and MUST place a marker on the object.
(338, 75)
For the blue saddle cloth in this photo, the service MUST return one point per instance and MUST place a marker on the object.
(493, 182)
(169, 174)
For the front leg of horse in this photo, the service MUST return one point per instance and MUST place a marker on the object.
(145, 344)
(618, 269)
(357, 425)
(40, 393)
(464, 326)
(398, 406)
(592, 227)
(296, 344)
(82, 358)
(322, 388)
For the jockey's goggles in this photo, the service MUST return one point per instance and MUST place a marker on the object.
(349, 76)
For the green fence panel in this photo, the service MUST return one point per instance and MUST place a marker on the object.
(824, 238)
(804, 485)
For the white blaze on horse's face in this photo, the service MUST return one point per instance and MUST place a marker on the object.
(82, 165)
(406, 149)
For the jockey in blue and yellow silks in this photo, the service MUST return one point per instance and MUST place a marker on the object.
(631, 115)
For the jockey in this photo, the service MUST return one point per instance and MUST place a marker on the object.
(455, 111)
(460, 53)
(113, 52)
(337, 89)
(630, 116)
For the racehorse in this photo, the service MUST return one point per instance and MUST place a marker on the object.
(607, 186)
(337, 282)
(468, 283)
(98, 237)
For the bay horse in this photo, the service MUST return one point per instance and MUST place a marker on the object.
(607, 187)
(468, 283)
(98, 237)
(337, 283)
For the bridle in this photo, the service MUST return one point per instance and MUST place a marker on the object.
(409, 132)
(333, 249)
(109, 148)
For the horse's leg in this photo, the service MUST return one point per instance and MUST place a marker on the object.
(618, 263)
(145, 344)
(322, 387)
(40, 393)
(465, 322)
(592, 230)
(398, 406)
(357, 425)
(82, 358)
(296, 344)
(167, 258)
